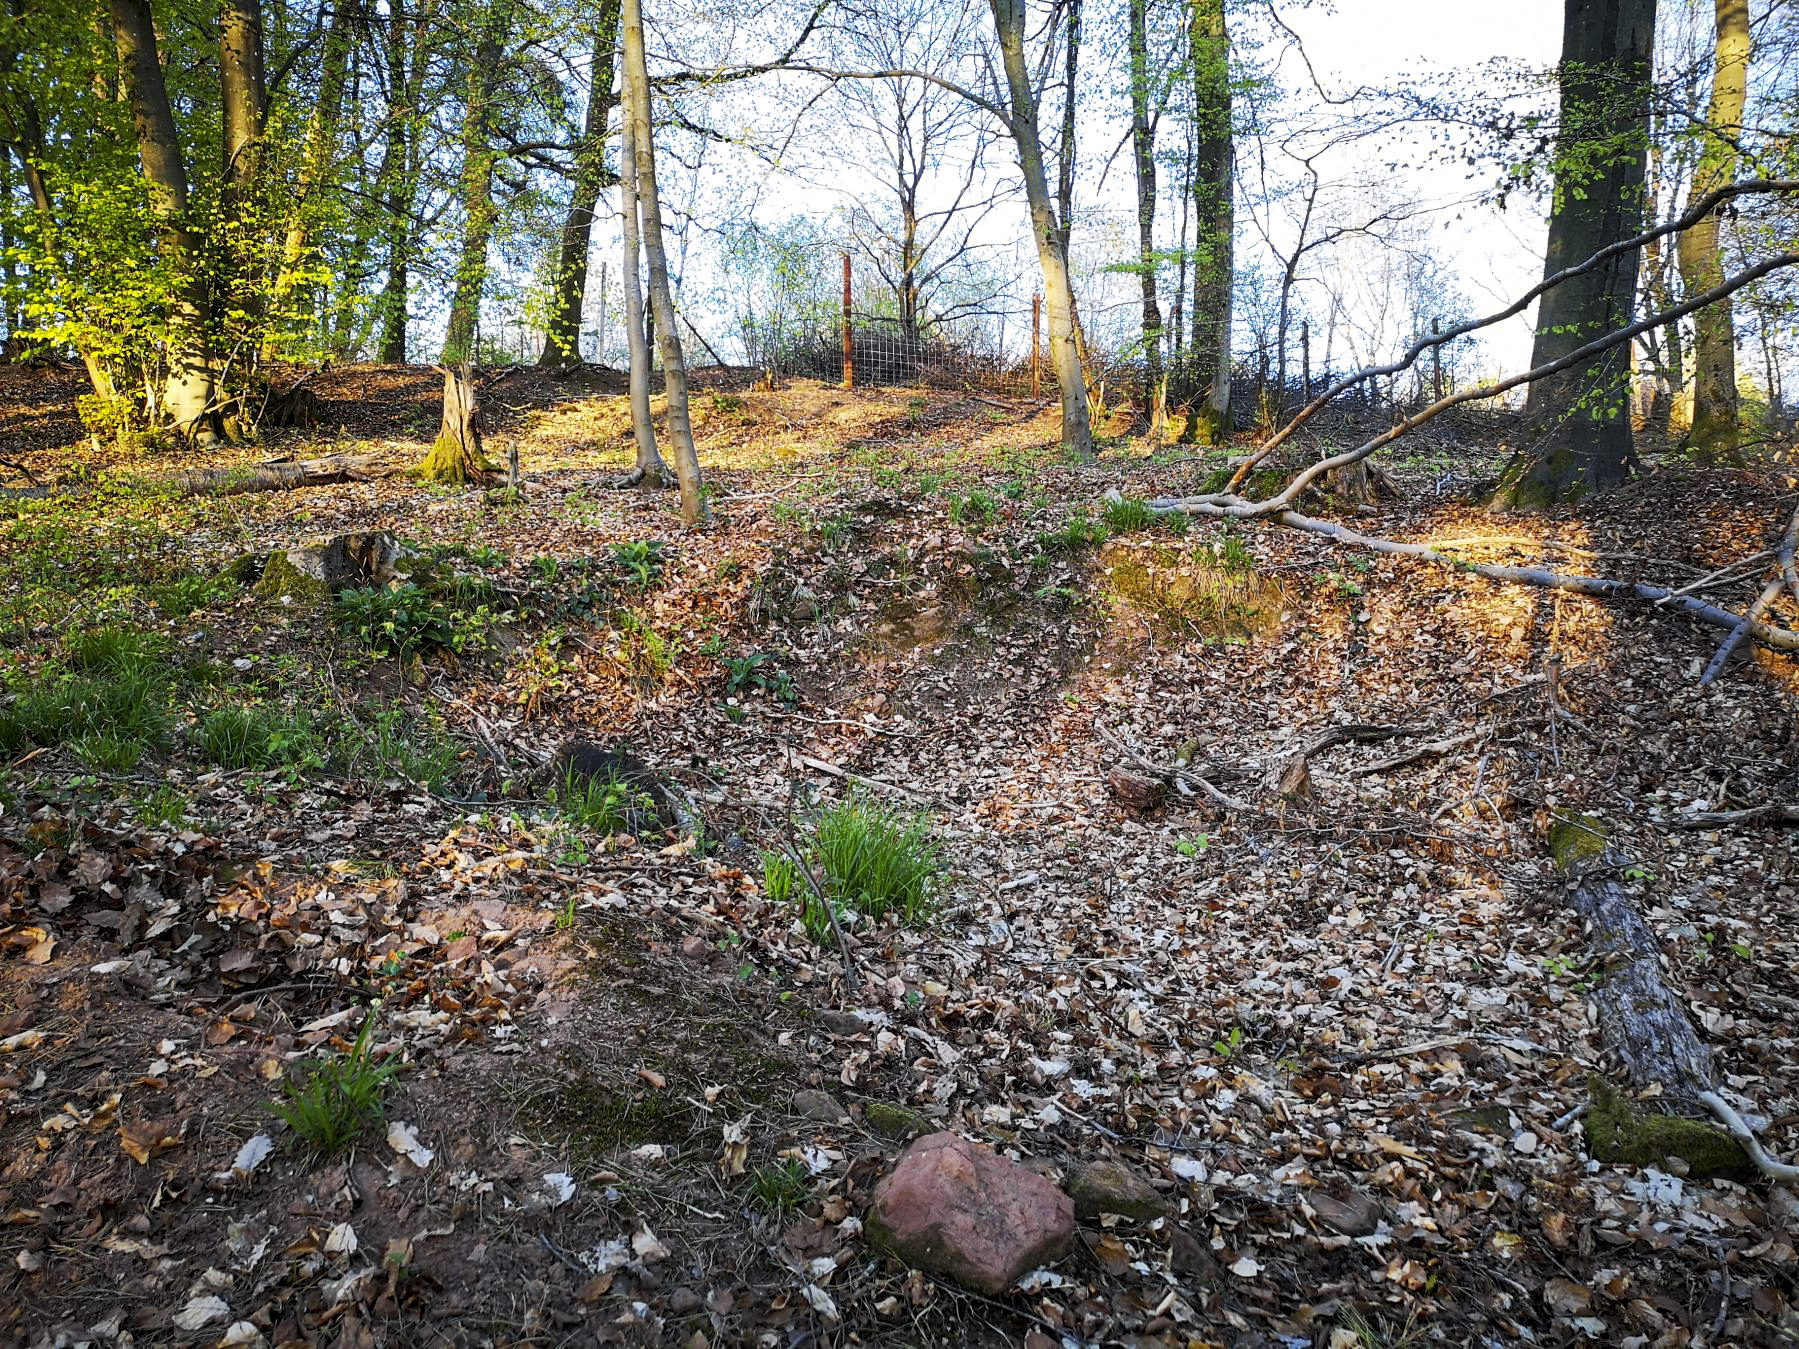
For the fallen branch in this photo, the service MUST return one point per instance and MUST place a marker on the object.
(1780, 639)
(833, 770)
(1771, 812)
(335, 468)
(1734, 1125)
(1173, 772)
(1433, 749)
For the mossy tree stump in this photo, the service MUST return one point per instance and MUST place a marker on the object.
(456, 458)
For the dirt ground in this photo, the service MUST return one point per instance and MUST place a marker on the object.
(1341, 1018)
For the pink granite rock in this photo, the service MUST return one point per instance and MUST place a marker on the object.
(956, 1208)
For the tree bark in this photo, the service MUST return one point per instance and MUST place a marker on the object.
(320, 147)
(478, 160)
(1580, 420)
(1143, 145)
(674, 369)
(189, 396)
(456, 457)
(562, 334)
(650, 471)
(1214, 208)
(1058, 293)
(1714, 432)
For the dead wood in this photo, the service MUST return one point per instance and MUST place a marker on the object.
(281, 477)
(1134, 791)
(1770, 812)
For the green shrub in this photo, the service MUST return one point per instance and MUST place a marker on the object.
(781, 883)
(876, 859)
(336, 1100)
(397, 620)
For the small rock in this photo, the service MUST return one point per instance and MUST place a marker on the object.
(1353, 1213)
(819, 1105)
(898, 1122)
(694, 946)
(684, 1300)
(957, 1208)
(1190, 1258)
(843, 1023)
(1107, 1186)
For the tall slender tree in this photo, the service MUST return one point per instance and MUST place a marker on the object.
(480, 155)
(651, 471)
(1714, 432)
(568, 284)
(1214, 212)
(694, 509)
(1143, 146)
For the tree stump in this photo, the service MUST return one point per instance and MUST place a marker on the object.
(1135, 792)
(456, 458)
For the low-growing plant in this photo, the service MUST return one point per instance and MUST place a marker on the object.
(1079, 532)
(110, 650)
(167, 806)
(236, 737)
(606, 805)
(335, 1100)
(757, 670)
(1125, 515)
(977, 508)
(781, 1186)
(408, 620)
(641, 560)
(107, 751)
(876, 859)
(645, 653)
(184, 595)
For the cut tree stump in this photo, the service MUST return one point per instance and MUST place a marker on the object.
(456, 458)
(1135, 791)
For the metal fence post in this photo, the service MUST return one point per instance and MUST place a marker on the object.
(849, 345)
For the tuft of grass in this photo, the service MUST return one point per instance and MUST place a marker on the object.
(1126, 515)
(1080, 532)
(780, 1187)
(606, 805)
(186, 594)
(781, 884)
(236, 737)
(337, 1099)
(977, 508)
(877, 859)
(646, 654)
(111, 650)
(107, 752)
(167, 806)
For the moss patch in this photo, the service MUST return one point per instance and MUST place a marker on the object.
(1577, 839)
(284, 583)
(1618, 1132)
(1191, 593)
(899, 1122)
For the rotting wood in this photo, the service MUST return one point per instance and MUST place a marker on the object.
(1769, 812)
(322, 472)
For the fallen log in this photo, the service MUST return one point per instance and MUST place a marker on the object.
(1645, 1026)
(281, 477)
(1769, 812)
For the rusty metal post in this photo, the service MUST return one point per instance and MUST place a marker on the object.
(849, 344)
(1036, 345)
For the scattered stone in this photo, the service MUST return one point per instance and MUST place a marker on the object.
(898, 1122)
(959, 1209)
(1107, 1186)
(844, 1023)
(1485, 1119)
(1353, 1212)
(819, 1105)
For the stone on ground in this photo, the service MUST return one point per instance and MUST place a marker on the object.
(959, 1209)
(1107, 1186)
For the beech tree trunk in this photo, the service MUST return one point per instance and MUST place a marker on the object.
(478, 160)
(189, 396)
(1058, 293)
(320, 146)
(1579, 421)
(674, 368)
(651, 471)
(1214, 209)
(1143, 145)
(562, 335)
(1714, 433)
(456, 457)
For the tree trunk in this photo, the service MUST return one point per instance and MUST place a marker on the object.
(478, 160)
(1058, 294)
(456, 457)
(1065, 166)
(662, 305)
(321, 145)
(189, 393)
(1143, 144)
(1208, 43)
(651, 471)
(1714, 431)
(1580, 440)
(562, 330)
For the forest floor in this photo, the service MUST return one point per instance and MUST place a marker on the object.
(1342, 1024)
